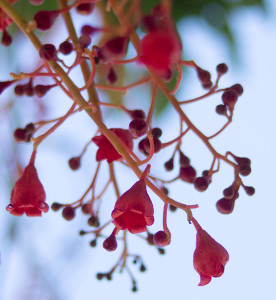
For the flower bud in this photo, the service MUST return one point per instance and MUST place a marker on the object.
(161, 239)
(110, 244)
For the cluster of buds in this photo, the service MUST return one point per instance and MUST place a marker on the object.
(158, 52)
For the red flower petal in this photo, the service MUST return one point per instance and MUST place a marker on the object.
(160, 50)
(106, 149)
(134, 209)
(28, 195)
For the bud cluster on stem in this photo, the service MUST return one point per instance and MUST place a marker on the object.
(134, 144)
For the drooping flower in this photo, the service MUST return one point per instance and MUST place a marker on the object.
(160, 50)
(134, 209)
(28, 195)
(106, 149)
(210, 257)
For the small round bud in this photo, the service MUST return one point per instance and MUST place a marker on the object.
(201, 183)
(134, 289)
(250, 190)
(86, 208)
(244, 170)
(93, 221)
(205, 173)
(229, 192)
(99, 276)
(45, 19)
(225, 206)
(108, 276)
(229, 98)
(161, 239)
(142, 268)
(203, 75)
(84, 41)
(48, 52)
(222, 68)
(28, 89)
(156, 132)
(85, 8)
(161, 251)
(187, 174)
(74, 163)
(56, 206)
(19, 89)
(150, 239)
(242, 160)
(138, 127)
(169, 164)
(221, 109)
(237, 88)
(68, 213)
(137, 114)
(30, 128)
(93, 243)
(21, 135)
(66, 48)
(172, 208)
(110, 244)
(157, 145)
(141, 146)
(89, 30)
(82, 232)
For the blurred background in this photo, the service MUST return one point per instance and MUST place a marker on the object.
(45, 258)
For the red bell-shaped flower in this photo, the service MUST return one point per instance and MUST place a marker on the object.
(106, 149)
(160, 50)
(209, 256)
(134, 209)
(28, 195)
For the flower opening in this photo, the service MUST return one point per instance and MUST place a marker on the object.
(28, 195)
(134, 209)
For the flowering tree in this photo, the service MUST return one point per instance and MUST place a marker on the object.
(151, 36)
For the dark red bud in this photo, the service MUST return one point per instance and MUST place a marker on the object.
(45, 19)
(138, 127)
(201, 183)
(187, 174)
(161, 239)
(68, 213)
(48, 52)
(110, 244)
(222, 68)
